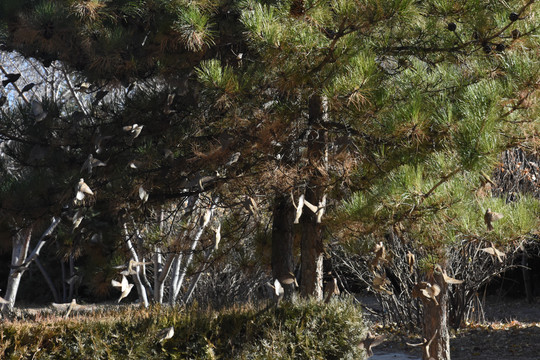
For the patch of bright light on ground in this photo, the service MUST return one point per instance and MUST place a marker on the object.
(393, 356)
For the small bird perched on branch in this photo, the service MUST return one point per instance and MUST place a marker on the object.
(143, 194)
(490, 217)
(28, 87)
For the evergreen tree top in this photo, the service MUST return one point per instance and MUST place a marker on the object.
(117, 39)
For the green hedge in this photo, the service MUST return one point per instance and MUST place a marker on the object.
(304, 330)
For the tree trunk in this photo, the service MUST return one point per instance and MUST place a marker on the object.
(48, 280)
(282, 241)
(208, 253)
(64, 278)
(71, 274)
(203, 221)
(436, 335)
(20, 261)
(158, 262)
(175, 275)
(159, 287)
(526, 272)
(141, 290)
(312, 231)
(21, 243)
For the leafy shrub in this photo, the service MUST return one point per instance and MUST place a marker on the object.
(304, 330)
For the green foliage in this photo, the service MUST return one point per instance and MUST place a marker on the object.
(311, 330)
(301, 331)
(47, 10)
(215, 76)
(262, 23)
(194, 28)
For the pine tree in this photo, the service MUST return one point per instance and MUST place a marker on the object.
(154, 135)
(428, 95)
(399, 104)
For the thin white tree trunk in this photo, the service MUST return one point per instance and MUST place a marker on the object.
(136, 277)
(176, 261)
(145, 281)
(160, 286)
(142, 271)
(21, 243)
(158, 267)
(48, 280)
(20, 261)
(64, 278)
(205, 221)
(193, 285)
(41, 243)
(158, 262)
(175, 274)
(71, 274)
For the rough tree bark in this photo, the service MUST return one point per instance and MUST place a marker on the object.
(312, 232)
(436, 334)
(282, 241)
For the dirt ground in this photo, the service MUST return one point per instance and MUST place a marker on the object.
(511, 331)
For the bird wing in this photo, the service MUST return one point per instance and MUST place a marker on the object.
(451, 280)
(165, 334)
(310, 206)
(143, 195)
(499, 253)
(379, 280)
(496, 216)
(80, 195)
(278, 288)
(489, 250)
(86, 189)
(124, 283)
(37, 108)
(299, 209)
(377, 340)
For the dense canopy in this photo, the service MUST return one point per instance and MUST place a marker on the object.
(378, 116)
